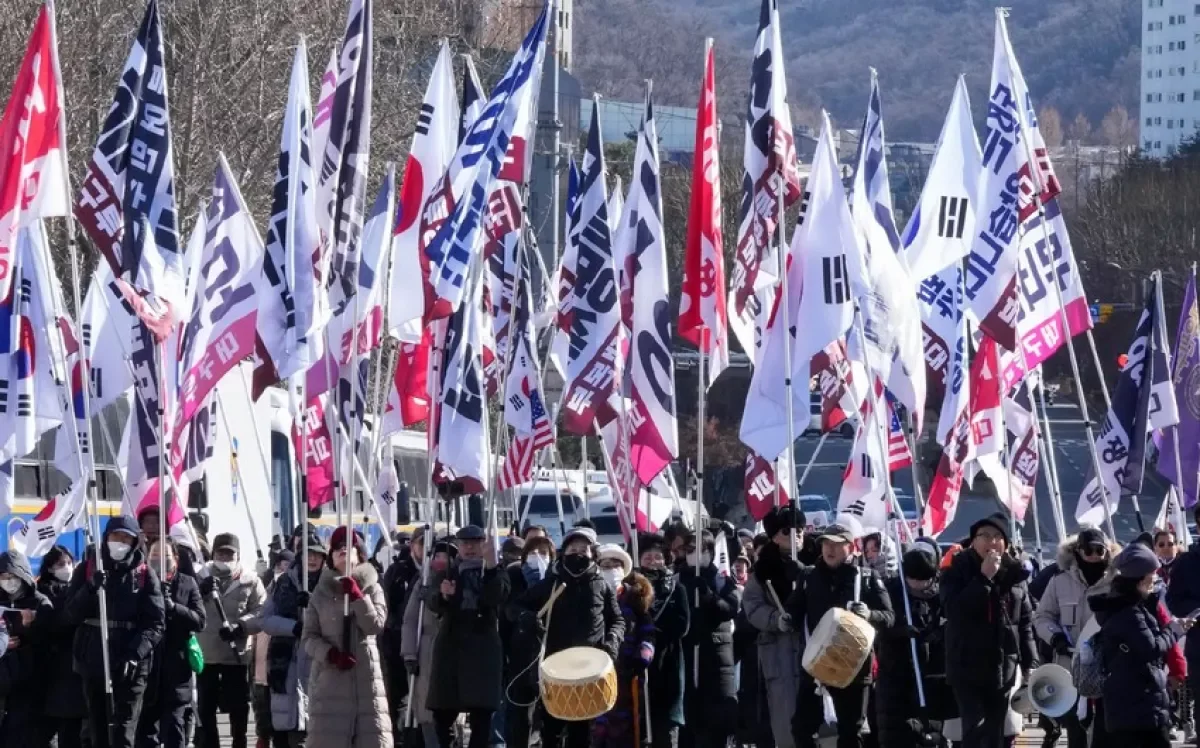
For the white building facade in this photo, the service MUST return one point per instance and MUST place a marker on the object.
(1170, 91)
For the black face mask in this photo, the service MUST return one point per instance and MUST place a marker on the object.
(1092, 570)
(576, 565)
(653, 575)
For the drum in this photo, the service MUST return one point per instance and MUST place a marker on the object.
(578, 684)
(837, 648)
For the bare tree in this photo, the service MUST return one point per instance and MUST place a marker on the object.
(1050, 123)
(1118, 128)
(1080, 129)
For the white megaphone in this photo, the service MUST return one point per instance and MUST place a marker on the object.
(1050, 692)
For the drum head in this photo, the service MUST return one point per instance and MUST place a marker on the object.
(576, 664)
(820, 637)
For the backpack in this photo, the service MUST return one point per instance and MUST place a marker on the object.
(1087, 667)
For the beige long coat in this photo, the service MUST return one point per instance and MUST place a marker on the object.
(347, 709)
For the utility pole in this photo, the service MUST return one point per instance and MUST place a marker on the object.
(544, 203)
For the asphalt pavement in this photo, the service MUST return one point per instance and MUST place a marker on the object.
(1073, 461)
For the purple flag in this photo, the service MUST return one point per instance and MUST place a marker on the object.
(1186, 378)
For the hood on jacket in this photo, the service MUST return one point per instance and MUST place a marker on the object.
(15, 563)
(365, 574)
(126, 524)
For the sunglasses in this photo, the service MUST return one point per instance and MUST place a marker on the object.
(1094, 550)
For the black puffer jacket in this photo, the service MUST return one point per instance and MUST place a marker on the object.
(398, 583)
(672, 618)
(64, 693)
(1133, 647)
(586, 614)
(713, 704)
(171, 675)
(989, 623)
(136, 614)
(820, 589)
(25, 671)
(896, 690)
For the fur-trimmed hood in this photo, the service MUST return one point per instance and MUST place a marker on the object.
(1066, 557)
(365, 574)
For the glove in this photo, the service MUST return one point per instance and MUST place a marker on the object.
(262, 566)
(859, 609)
(128, 671)
(98, 579)
(340, 660)
(785, 623)
(351, 589)
(1060, 644)
(298, 629)
(230, 633)
(413, 667)
(303, 599)
(208, 585)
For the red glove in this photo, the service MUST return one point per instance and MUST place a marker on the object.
(341, 660)
(351, 589)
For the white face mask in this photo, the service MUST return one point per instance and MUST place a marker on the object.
(11, 586)
(538, 562)
(612, 577)
(704, 559)
(223, 567)
(63, 573)
(118, 550)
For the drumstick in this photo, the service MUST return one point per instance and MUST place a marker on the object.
(554, 594)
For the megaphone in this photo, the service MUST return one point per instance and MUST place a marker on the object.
(1050, 692)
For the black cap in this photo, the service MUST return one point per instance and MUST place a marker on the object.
(227, 541)
(1092, 536)
(470, 532)
(285, 555)
(999, 521)
(783, 518)
(920, 562)
(836, 532)
(512, 545)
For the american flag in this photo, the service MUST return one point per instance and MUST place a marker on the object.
(518, 463)
(899, 456)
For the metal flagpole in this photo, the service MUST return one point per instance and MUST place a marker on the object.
(892, 504)
(787, 357)
(811, 460)
(299, 489)
(1050, 464)
(918, 494)
(163, 452)
(73, 250)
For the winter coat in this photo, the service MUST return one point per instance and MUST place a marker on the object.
(347, 708)
(171, 676)
(136, 612)
(895, 689)
(242, 597)
(672, 616)
(522, 642)
(779, 652)
(1183, 597)
(1041, 580)
(586, 613)
(711, 631)
(468, 661)
(64, 692)
(1063, 606)
(989, 623)
(615, 729)
(419, 649)
(1133, 646)
(289, 665)
(398, 582)
(24, 671)
(820, 589)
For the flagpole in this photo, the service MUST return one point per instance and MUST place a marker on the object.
(787, 352)
(811, 460)
(299, 488)
(918, 494)
(892, 505)
(1050, 464)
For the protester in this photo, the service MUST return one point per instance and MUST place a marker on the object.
(418, 640)
(64, 710)
(399, 580)
(901, 719)
(136, 623)
(989, 631)
(288, 665)
(510, 551)
(348, 705)
(585, 614)
(522, 644)
(169, 689)
(27, 615)
(780, 643)
(233, 598)
(468, 664)
(1183, 601)
(711, 692)
(831, 583)
(624, 724)
(671, 614)
(1062, 611)
(1167, 550)
(1133, 645)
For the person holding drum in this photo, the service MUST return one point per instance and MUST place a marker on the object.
(837, 580)
(779, 639)
(711, 690)
(468, 664)
(989, 631)
(573, 607)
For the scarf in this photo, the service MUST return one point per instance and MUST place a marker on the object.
(470, 582)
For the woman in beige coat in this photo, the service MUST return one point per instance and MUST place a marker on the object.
(348, 707)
